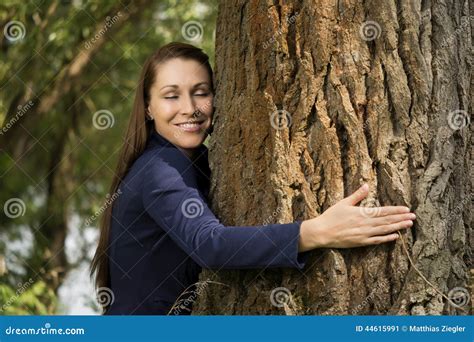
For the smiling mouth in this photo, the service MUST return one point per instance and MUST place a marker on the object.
(191, 126)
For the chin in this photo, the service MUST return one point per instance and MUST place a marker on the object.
(190, 142)
(190, 139)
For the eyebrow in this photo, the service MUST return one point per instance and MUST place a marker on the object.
(176, 86)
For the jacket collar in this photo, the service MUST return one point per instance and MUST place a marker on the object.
(156, 139)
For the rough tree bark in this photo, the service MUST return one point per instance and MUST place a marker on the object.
(376, 92)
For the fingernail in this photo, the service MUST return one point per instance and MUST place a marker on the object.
(412, 216)
(365, 186)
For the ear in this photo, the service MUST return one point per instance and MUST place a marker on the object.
(148, 113)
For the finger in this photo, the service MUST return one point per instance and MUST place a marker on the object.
(380, 221)
(383, 211)
(390, 228)
(377, 240)
(357, 196)
(393, 210)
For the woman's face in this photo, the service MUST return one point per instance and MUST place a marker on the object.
(181, 103)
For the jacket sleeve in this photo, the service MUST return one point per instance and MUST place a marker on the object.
(171, 198)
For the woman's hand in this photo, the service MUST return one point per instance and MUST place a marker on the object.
(345, 225)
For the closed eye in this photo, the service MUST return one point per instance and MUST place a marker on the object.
(175, 97)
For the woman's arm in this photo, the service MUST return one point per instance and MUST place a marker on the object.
(171, 198)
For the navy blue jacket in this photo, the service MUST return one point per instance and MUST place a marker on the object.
(163, 233)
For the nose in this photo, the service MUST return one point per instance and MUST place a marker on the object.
(188, 105)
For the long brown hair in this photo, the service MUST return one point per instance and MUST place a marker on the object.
(138, 132)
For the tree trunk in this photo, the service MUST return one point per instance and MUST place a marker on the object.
(316, 98)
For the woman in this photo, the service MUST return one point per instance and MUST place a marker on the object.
(160, 233)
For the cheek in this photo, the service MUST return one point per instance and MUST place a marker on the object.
(164, 110)
(205, 106)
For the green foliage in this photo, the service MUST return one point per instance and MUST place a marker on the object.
(64, 138)
(29, 298)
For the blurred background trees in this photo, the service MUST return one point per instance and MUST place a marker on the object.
(68, 73)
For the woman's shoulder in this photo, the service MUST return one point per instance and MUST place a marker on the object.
(164, 164)
(165, 157)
